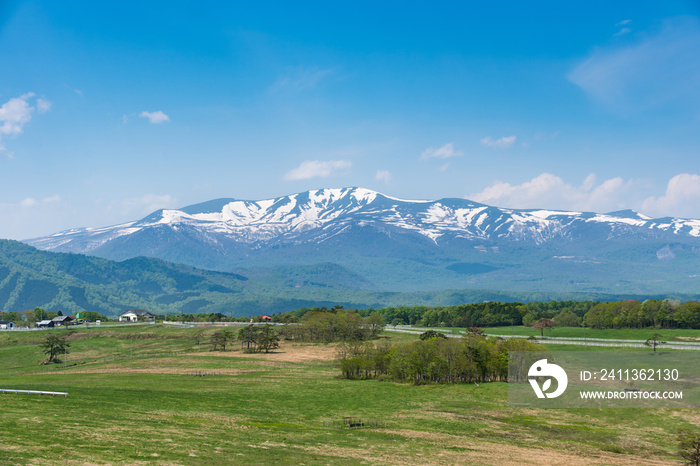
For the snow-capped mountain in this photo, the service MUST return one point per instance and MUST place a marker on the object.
(367, 230)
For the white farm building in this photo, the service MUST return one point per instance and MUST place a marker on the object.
(136, 315)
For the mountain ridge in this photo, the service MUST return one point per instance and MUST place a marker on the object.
(402, 245)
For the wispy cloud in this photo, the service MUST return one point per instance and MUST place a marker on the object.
(444, 152)
(317, 169)
(17, 112)
(147, 203)
(659, 68)
(622, 32)
(501, 143)
(31, 202)
(625, 29)
(155, 117)
(300, 79)
(383, 176)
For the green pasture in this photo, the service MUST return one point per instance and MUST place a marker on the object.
(263, 409)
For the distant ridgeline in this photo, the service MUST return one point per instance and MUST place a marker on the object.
(665, 313)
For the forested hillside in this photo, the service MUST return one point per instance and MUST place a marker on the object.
(70, 282)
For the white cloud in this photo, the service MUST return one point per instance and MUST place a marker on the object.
(155, 117)
(682, 198)
(31, 202)
(502, 143)
(300, 79)
(444, 152)
(549, 191)
(147, 203)
(316, 168)
(28, 202)
(659, 68)
(17, 112)
(384, 176)
(622, 32)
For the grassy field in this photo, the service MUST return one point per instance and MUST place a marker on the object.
(271, 408)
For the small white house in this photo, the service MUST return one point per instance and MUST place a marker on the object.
(6, 325)
(136, 315)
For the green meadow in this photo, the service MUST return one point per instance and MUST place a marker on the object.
(151, 395)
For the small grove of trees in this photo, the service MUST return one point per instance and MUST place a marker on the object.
(473, 358)
(336, 324)
(257, 338)
(54, 345)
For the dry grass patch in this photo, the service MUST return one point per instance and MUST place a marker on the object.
(288, 352)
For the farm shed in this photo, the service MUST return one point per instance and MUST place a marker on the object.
(136, 315)
(45, 324)
(62, 320)
(6, 325)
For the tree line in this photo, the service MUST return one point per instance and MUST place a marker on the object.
(657, 313)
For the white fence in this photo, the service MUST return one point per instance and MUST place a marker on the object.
(34, 392)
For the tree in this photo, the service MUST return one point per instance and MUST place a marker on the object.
(221, 339)
(543, 324)
(567, 319)
(529, 319)
(54, 345)
(267, 338)
(248, 336)
(375, 323)
(689, 446)
(39, 314)
(431, 334)
(654, 341)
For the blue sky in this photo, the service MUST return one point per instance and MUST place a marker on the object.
(108, 112)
